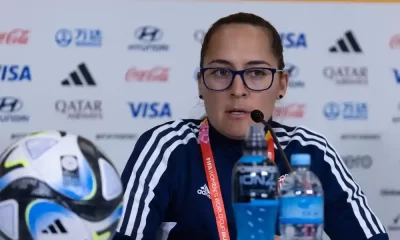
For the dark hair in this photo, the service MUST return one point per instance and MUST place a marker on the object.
(245, 18)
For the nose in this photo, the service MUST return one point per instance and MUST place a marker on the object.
(238, 89)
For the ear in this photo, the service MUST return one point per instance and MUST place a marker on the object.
(283, 83)
(200, 84)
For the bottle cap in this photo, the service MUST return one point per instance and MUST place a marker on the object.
(300, 159)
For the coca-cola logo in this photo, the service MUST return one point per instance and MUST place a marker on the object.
(293, 110)
(15, 36)
(395, 41)
(155, 74)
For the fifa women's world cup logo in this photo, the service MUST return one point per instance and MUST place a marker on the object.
(203, 134)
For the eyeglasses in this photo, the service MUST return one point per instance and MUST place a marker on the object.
(255, 79)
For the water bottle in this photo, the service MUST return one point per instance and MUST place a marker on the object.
(255, 179)
(301, 202)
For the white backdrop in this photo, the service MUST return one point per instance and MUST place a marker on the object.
(362, 120)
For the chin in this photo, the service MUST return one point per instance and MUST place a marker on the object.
(234, 128)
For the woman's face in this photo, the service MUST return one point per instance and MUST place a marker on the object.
(238, 47)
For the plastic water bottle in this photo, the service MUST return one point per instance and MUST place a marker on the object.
(255, 179)
(301, 202)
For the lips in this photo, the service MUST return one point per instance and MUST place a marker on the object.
(238, 111)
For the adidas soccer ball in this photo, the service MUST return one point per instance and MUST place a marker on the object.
(58, 186)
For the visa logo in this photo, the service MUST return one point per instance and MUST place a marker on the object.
(150, 109)
(14, 73)
(294, 40)
(397, 75)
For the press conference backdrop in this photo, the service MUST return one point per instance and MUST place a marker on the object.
(111, 70)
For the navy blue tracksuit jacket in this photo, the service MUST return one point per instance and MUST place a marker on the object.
(167, 195)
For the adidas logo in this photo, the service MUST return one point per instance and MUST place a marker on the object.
(79, 77)
(204, 191)
(346, 44)
(57, 228)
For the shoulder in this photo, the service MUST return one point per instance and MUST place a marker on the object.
(162, 146)
(172, 134)
(302, 137)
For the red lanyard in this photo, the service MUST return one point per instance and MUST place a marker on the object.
(212, 177)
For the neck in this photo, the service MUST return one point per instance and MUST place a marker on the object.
(234, 138)
(230, 137)
(220, 138)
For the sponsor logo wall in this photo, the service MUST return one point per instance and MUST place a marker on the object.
(110, 78)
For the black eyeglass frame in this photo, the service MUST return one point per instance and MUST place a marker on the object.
(241, 74)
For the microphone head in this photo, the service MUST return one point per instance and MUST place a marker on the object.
(257, 116)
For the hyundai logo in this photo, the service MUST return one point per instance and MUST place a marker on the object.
(199, 35)
(332, 110)
(293, 70)
(64, 37)
(10, 105)
(149, 34)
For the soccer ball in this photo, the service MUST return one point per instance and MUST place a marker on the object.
(58, 186)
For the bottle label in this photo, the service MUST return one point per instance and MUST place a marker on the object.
(254, 181)
(302, 210)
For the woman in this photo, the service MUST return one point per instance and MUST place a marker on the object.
(166, 185)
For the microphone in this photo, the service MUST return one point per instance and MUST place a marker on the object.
(258, 117)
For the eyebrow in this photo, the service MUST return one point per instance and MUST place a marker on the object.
(226, 62)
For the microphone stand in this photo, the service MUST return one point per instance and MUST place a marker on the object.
(258, 117)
